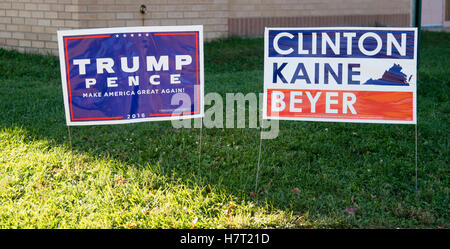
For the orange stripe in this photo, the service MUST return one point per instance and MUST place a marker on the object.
(369, 105)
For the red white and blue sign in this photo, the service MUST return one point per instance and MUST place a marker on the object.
(345, 74)
(132, 74)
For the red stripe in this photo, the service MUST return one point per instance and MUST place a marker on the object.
(196, 54)
(97, 118)
(168, 114)
(87, 37)
(158, 34)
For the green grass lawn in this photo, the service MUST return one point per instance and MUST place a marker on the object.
(146, 175)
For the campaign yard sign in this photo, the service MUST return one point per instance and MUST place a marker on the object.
(132, 74)
(341, 74)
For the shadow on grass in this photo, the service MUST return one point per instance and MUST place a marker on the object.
(314, 172)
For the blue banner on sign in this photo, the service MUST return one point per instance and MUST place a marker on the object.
(131, 75)
(393, 44)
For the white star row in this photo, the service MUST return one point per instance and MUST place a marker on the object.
(131, 35)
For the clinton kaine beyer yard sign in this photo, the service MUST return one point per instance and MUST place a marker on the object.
(341, 74)
(133, 74)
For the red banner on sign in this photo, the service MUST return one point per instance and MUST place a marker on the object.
(335, 104)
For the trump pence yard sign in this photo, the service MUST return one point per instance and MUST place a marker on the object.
(341, 74)
(125, 75)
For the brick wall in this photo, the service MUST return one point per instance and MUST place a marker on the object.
(212, 14)
(31, 25)
(249, 17)
(291, 8)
